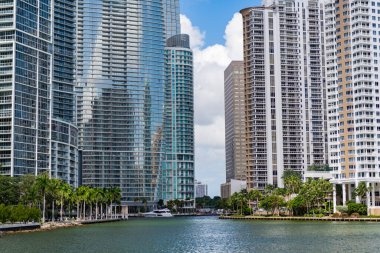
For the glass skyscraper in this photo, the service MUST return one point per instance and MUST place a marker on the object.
(178, 167)
(64, 132)
(120, 89)
(36, 61)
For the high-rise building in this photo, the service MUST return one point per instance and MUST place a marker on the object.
(234, 109)
(353, 98)
(64, 132)
(200, 189)
(284, 89)
(120, 87)
(37, 89)
(177, 175)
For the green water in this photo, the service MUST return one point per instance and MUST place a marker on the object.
(201, 234)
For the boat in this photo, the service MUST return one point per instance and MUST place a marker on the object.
(158, 213)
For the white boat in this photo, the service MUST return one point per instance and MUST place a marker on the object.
(158, 213)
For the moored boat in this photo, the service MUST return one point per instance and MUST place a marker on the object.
(158, 213)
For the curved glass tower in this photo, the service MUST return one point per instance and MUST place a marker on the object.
(37, 100)
(64, 132)
(120, 88)
(178, 166)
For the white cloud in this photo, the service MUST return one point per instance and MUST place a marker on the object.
(209, 65)
(197, 37)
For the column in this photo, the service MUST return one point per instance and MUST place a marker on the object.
(334, 197)
(344, 194)
(368, 198)
(373, 194)
(357, 200)
(349, 192)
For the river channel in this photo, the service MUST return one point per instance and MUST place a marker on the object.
(200, 234)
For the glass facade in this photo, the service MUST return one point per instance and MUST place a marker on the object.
(178, 167)
(25, 82)
(64, 135)
(36, 61)
(120, 94)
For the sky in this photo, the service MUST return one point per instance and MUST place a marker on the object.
(215, 29)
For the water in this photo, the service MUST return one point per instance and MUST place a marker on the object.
(200, 234)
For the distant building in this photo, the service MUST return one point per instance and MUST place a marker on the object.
(200, 189)
(284, 89)
(229, 188)
(236, 165)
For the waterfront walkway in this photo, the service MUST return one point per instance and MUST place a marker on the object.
(299, 218)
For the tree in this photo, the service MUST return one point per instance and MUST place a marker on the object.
(42, 183)
(255, 195)
(53, 188)
(361, 190)
(268, 189)
(9, 191)
(160, 203)
(272, 202)
(292, 183)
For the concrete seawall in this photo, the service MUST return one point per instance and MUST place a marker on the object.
(301, 218)
(19, 227)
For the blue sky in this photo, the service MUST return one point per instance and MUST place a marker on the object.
(215, 29)
(212, 16)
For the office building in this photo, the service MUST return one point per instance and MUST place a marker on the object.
(234, 109)
(353, 97)
(284, 89)
(178, 165)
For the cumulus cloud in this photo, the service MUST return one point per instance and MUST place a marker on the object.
(209, 65)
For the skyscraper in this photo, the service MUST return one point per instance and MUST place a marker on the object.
(284, 89)
(64, 131)
(36, 89)
(234, 108)
(178, 166)
(352, 74)
(120, 88)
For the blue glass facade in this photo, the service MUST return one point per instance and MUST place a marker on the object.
(120, 89)
(177, 180)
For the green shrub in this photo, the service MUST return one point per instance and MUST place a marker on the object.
(356, 208)
(342, 209)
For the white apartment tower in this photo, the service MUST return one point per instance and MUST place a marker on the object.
(352, 30)
(284, 89)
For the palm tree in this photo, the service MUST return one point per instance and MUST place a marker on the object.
(83, 193)
(115, 196)
(255, 195)
(64, 194)
(361, 190)
(42, 183)
(97, 199)
(293, 184)
(54, 184)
